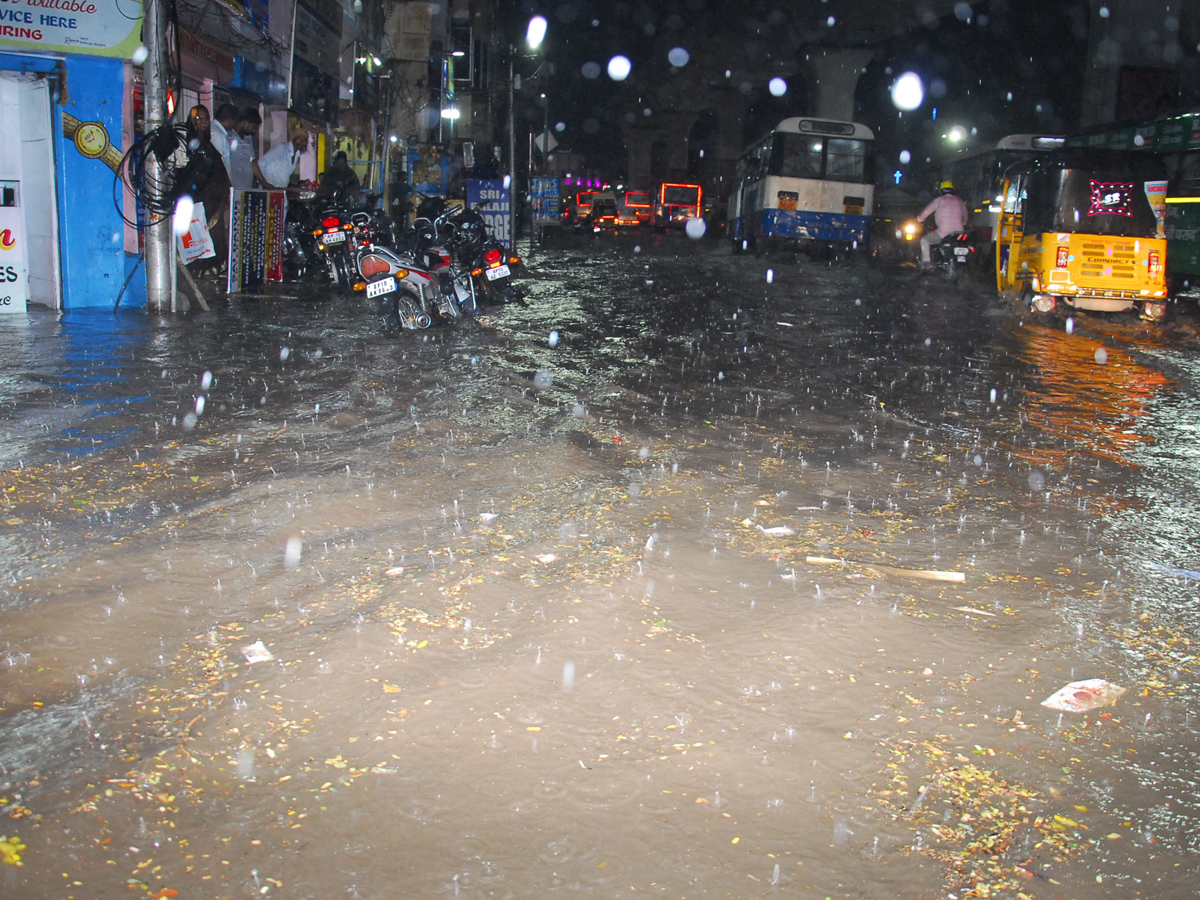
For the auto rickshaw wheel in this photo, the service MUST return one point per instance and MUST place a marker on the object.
(1154, 310)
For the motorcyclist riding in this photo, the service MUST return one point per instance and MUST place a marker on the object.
(949, 218)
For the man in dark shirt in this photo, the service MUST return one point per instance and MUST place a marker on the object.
(339, 180)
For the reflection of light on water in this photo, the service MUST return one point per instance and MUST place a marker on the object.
(1084, 403)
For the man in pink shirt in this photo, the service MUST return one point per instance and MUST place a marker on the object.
(949, 217)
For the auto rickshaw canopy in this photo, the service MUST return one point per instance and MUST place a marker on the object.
(1088, 191)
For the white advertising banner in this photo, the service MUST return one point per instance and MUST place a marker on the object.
(14, 271)
(102, 27)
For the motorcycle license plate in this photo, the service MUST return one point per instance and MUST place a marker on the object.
(498, 272)
(338, 237)
(381, 287)
(961, 251)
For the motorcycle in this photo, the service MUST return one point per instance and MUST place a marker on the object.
(953, 255)
(333, 232)
(950, 257)
(488, 261)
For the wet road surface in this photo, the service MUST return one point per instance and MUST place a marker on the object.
(700, 575)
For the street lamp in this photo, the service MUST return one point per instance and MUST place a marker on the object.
(535, 33)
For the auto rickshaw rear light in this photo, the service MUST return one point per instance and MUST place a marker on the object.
(492, 256)
(1153, 260)
(1061, 258)
(330, 222)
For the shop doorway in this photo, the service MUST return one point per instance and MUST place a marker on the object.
(25, 111)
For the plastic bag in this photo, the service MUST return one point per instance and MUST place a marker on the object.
(1083, 696)
(196, 243)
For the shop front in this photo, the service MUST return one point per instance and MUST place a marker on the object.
(67, 118)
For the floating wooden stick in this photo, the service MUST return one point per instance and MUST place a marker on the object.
(924, 574)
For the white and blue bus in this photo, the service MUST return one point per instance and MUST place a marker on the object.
(806, 181)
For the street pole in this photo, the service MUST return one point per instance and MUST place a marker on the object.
(512, 146)
(159, 236)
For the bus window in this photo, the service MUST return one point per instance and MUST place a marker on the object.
(846, 160)
(799, 156)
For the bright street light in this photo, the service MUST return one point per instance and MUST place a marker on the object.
(536, 32)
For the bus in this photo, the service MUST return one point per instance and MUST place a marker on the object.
(978, 174)
(677, 203)
(637, 208)
(1176, 140)
(806, 181)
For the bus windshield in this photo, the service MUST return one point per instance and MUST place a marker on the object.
(680, 195)
(812, 156)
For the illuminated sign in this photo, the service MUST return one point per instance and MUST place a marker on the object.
(1111, 198)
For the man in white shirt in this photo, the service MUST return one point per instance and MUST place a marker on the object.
(275, 167)
(241, 153)
(222, 125)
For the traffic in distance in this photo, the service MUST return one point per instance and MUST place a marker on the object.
(1106, 220)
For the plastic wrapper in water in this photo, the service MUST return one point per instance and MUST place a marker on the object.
(1083, 696)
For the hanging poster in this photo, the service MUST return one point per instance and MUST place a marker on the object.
(544, 195)
(429, 171)
(256, 228)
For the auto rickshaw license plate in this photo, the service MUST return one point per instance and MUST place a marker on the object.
(381, 287)
(498, 272)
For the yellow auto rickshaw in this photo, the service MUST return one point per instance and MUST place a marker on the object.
(1080, 227)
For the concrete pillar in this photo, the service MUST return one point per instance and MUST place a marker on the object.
(638, 142)
(1134, 33)
(832, 76)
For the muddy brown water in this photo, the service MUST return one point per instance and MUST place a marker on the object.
(545, 598)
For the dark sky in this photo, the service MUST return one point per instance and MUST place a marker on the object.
(1033, 49)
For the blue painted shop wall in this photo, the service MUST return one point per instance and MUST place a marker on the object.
(91, 231)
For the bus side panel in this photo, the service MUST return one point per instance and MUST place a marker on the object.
(815, 226)
(1183, 239)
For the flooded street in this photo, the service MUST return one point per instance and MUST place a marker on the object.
(700, 576)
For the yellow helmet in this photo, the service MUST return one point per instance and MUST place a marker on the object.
(946, 186)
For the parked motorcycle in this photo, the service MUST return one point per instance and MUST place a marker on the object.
(334, 232)
(487, 260)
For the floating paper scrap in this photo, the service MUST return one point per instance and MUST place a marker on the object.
(1082, 696)
(257, 652)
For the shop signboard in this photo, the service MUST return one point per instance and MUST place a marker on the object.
(97, 27)
(498, 210)
(544, 196)
(14, 271)
(256, 227)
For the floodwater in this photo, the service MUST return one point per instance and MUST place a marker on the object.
(699, 576)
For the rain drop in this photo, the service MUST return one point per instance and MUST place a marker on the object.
(678, 57)
(695, 228)
(905, 156)
(908, 91)
(1101, 355)
(183, 215)
(553, 340)
(778, 87)
(619, 68)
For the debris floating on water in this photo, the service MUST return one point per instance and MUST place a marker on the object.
(257, 652)
(1084, 696)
